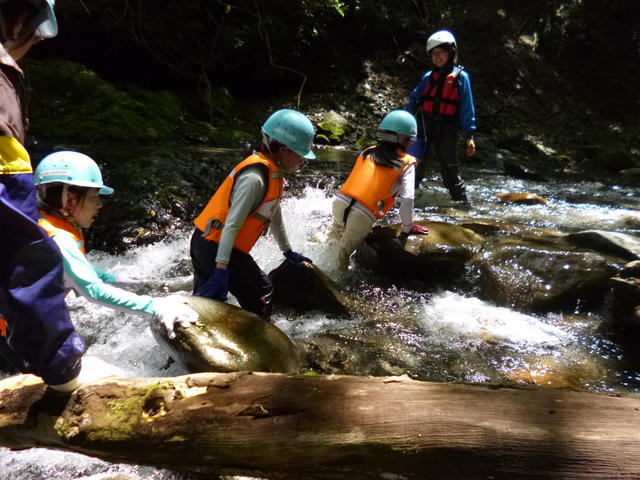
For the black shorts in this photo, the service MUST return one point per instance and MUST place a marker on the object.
(247, 282)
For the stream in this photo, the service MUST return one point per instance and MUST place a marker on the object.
(450, 334)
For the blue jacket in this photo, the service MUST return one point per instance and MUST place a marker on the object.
(40, 332)
(467, 112)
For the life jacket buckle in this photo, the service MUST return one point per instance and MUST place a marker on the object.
(213, 223)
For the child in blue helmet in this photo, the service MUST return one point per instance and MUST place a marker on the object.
(443, 105)
(382, 176)
(244, 206)
(69, 189)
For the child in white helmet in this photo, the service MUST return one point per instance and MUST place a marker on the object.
(443, 105)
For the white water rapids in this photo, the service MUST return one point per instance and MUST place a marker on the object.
(454, 323)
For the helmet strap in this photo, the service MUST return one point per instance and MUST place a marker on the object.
(266, 141)
(65, 195)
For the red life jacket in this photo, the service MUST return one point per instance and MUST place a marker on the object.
(441, 96)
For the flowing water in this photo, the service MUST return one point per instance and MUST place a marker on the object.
(456, 336)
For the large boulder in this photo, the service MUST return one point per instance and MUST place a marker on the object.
(227, 338)
(438, 256)
(542, 279)
(305, 287)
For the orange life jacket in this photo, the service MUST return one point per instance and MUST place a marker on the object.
(441, 96)
(54, 225)
(371, 184)
(3, 327)
(211, 220)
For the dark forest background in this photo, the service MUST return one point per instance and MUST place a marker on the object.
(576, 58)
(555, 85)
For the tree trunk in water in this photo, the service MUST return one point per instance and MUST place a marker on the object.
(327, 427)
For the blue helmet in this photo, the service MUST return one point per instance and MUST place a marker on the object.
(44, 23)
(48, 27)
(71, 168)
(401, 122)
(292, 129)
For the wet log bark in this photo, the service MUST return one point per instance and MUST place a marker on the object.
(317, 427)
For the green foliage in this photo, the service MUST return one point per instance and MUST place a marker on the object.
(77, 106)
(339, 6)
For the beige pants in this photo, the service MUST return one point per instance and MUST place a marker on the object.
(347, 237)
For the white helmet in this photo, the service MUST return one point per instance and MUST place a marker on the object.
(439, 38)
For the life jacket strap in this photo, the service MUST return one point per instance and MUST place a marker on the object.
(211, 224)
(347, 210)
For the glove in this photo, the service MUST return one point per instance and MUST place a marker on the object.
(173, 310)
(126, 279)
(418, 230)
(92, 369)
(217, 285)
(295, 257)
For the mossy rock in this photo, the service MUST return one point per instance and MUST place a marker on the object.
(332, 128)
(72, 104)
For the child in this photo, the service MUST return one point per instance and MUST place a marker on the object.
(244, 206)
(443, 104)
(381, 174)
(69, 188)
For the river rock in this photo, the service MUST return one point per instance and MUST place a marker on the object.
(524, 198)
(332, 127)
(391, 346)
(624, 299)
(621, 244)
(227, 338)
(542, 280)
(630, 172)
(440, 255)
(570, 371)
(305, 287)
(516, 170)
(614, 159)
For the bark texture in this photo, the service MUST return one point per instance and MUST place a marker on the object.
(317, 427)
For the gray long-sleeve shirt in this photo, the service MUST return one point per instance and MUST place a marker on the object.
(249, 189)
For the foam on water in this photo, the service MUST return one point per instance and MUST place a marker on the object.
(449, 313)
(448, 319)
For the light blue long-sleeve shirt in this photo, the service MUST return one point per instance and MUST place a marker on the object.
(94, 283)
(467, 111)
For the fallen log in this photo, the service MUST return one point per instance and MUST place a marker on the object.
(317, 427)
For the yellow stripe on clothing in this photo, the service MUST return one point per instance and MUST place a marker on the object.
(14, 158)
